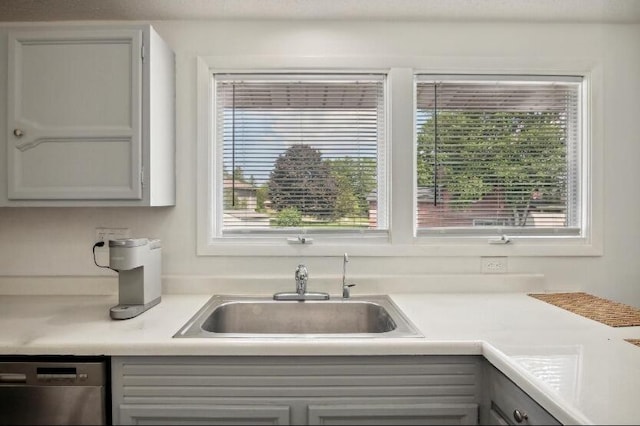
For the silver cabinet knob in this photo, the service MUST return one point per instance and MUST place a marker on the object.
(18, 133)
(519, 416)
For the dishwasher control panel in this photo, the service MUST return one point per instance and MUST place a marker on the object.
(66, 375)
(52, 374)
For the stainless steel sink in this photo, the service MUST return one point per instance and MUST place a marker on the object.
(237, 316)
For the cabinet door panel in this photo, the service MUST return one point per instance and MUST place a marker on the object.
(393, 414)
(506, 397)
(496, 419)
(74, 115)
(97, 164)
(75, 83)
(203, 415)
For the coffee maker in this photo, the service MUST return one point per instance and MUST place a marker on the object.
(137, 261)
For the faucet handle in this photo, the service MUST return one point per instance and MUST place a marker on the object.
(346, 290)
(302, 272)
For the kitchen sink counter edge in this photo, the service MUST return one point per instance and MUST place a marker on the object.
(581, 371)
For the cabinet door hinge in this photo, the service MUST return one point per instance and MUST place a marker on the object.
(142, 52)
(142, 177)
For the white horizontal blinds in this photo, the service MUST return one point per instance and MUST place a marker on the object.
(499, 153)
(300, 151)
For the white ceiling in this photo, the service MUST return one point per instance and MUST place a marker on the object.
(624, 11)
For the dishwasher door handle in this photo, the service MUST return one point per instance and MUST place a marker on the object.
(13, 378)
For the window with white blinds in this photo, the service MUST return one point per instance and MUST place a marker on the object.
(498, 155)
(300, 153)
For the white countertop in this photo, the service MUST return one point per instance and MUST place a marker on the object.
(581, 371)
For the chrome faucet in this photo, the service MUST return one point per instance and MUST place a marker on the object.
(346, 292)
(301, 294)
(302, 275)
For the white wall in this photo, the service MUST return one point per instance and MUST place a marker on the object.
(58, 241)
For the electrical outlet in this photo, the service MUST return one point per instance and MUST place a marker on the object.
(494, 265)
(106, 234)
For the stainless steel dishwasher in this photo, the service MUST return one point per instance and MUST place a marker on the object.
(59, 392)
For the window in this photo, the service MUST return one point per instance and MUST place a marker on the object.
(498, 155)
(361, 143)
(300, 154)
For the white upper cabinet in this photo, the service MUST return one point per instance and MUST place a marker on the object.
(90, 117)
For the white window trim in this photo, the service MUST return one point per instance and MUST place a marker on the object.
(507, 234)
(310, 234)
(402, 240)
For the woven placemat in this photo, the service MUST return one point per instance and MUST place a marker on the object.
(633, 341)
(605, 311)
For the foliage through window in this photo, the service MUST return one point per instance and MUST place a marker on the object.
(300, 153)
(498, 155)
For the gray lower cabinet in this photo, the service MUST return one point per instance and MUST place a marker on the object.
(337, 390)
(297, 390)
(504, 403)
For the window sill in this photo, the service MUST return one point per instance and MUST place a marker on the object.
(382, 247)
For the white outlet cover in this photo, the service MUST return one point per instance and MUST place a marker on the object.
(494, 265)
(104, 234)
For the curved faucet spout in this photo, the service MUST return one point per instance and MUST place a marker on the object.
(346, 293)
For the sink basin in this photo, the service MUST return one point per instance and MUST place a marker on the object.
(236, 316)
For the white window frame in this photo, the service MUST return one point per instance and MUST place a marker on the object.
(402, 239)
(295, 236)
(503, 235)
